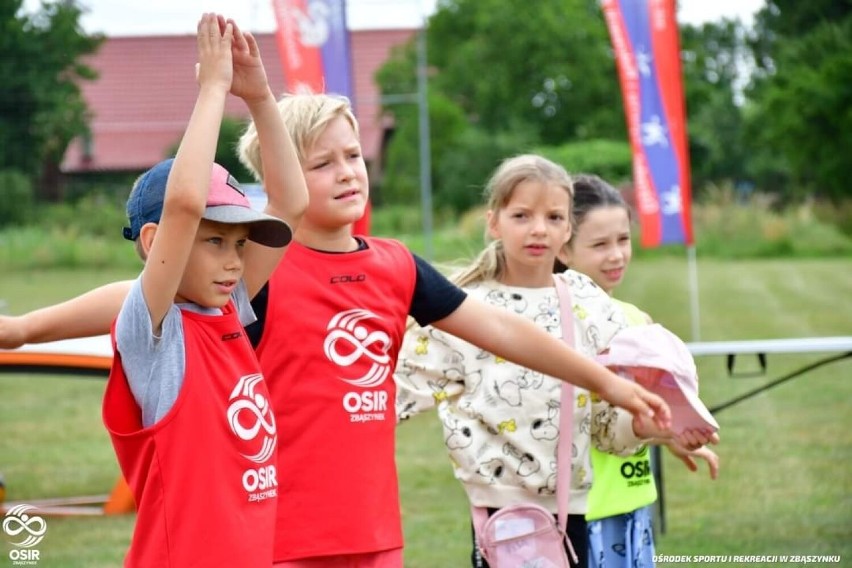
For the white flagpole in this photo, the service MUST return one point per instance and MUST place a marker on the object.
(694, 306)
(424, 145)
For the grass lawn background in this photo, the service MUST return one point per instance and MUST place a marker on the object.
(785, 485)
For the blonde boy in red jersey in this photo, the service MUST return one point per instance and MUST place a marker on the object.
(333, 391)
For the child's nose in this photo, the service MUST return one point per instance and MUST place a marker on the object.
(539, 225)
(233, 260)
(346, 172)
(615, 253)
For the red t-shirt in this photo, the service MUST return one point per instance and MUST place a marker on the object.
(334, 326)
(204, 476)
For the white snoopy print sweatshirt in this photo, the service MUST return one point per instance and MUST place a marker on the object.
(501, 421)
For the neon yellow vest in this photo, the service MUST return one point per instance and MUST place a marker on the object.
(621, 485)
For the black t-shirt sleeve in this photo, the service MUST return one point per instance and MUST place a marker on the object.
(435, 297)
(254, 331)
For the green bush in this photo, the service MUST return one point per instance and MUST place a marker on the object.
(28, 248)
(837, 214)
(17, 199)
(610, 159)
(401, 179)
(80, 233)
(87, 233)
(393, 220)
(464, 171)
(96, 214)
(728, 226)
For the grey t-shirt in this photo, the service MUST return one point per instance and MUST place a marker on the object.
(155, 365)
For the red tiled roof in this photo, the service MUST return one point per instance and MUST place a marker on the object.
(146, 89)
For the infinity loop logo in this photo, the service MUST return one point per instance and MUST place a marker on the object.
(347, 328)
(17, 522)
(250, 415)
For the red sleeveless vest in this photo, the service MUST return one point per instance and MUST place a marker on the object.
(334, 326)
(204, 476)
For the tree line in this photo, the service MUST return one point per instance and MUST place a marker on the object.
(41, 106)
(768, 106)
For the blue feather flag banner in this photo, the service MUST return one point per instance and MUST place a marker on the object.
(644, 37)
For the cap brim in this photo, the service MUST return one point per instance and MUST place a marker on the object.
(263, 229)
(688, 411)
(658, 360)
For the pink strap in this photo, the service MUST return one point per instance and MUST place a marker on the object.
(566, 427)
(566, 414)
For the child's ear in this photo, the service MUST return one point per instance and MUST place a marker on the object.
(146, 237)
(491, 224)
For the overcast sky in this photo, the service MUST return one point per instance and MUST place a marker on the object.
(147, 17)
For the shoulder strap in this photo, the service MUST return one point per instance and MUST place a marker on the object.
(566, 428)
(566, 410)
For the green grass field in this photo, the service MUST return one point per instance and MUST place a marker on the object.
(785, 485)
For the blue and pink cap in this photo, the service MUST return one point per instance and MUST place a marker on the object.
(226, 203)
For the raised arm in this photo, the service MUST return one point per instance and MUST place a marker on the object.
(86, 315)
(522, 342)
(287, 194)
(189, 180)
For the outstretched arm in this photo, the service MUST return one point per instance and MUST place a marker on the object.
(287, 194)
(91, 313)
(522, 342)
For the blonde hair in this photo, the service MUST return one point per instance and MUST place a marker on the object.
(491, 262)
(305, 116)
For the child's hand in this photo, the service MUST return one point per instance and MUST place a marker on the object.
(638, 401)
(250, 82)
(690, 439)
(11, 332)
(695, 438)
(687, 457)
(215, 37)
